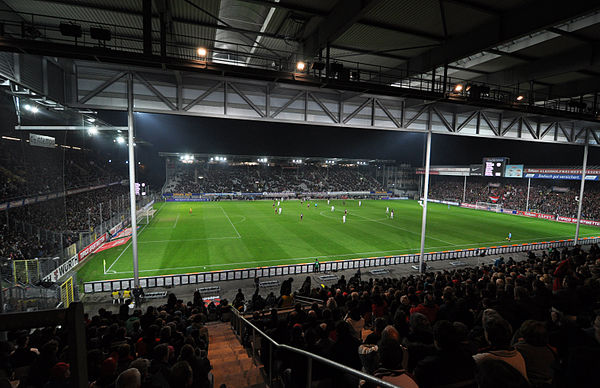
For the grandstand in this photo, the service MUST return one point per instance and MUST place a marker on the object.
(165, 223)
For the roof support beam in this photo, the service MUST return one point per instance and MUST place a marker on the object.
(510, 25)
(573, 60)
(343, 15)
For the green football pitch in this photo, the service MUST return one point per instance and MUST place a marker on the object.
(243, 234)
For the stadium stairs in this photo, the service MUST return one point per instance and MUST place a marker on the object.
(231, 363)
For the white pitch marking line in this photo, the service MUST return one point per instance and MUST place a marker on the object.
(345, 255)
(176, 219)
(190, 239)
(234, 228)
(131, 242)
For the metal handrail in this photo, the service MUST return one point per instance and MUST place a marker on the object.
(310, 356)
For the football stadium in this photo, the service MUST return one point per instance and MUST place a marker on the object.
(299, 193)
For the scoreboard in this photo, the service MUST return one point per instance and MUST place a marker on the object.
(494, 166)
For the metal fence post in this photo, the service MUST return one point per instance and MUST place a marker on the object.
(270, 364)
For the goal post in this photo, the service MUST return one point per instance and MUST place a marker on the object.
(144, 216)
(494, 207)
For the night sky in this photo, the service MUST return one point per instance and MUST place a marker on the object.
(171, 133)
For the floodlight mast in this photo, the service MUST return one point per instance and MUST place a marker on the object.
(583, 168)
(425, 193)
(136, 274)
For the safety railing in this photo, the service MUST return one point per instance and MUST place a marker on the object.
(239, 323)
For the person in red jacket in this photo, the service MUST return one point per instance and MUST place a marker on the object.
(427, 308)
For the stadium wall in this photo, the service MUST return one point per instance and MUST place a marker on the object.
(283, 270)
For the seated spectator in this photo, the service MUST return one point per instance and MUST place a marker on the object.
(498, 333)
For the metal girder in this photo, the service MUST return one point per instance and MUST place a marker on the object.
(578, 58)
(155, 91)
(357, 110)
(343, 15)
(324, 107)
(101, 87)
(203, 96)
(245, 98)
(506, 27)
(388, 113)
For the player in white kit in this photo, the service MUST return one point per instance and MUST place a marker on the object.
(387, 210)
(279, 210)
(332, 208)
(359, 203)
(344, 219)
(392, 215)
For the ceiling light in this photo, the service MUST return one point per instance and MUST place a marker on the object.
(300, 66)
(201, 51)
(93, 130)
(120, 140)
(520, 98)
(91, 119)
(458, 88)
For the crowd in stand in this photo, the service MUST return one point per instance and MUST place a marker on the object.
(545, 196)
(165, 347)
(218, 178)
(55, 219)
(534, 323)
(26, 170)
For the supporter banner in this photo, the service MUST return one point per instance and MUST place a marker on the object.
(91, 248)
(562, 176)
(59, 272)
(453, 203)
(394, 198)
(494, 198)
(513, 171)
(41, 140)
(124, 233)
(114, 243)
(446, 170)
(187, 199)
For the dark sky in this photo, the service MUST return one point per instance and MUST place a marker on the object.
(173, 133)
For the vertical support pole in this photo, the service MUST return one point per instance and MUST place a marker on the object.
(77, 348)
(136, 275)
(270, 364)
(585, 157)
(425, 192)
(528, 189)
(465, 190)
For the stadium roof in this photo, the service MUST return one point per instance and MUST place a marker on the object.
(533, 46)
(279, 159)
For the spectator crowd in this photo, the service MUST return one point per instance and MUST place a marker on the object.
(221, 178)
(532, 323)
(545, 196)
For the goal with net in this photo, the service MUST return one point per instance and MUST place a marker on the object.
(494, 207)
(144, 216)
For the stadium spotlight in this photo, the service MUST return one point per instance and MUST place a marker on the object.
(300, 66)
(458, 88)
(520, 97)
(91, 120)
(201, 52)
(120, 139)
(93, 130)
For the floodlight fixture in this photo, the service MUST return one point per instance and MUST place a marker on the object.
(458, 88)
(300, 66)
(120, 139)
(201, 52)
(520, 97)
(93, 130)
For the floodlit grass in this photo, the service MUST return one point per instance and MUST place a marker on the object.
(230, 235)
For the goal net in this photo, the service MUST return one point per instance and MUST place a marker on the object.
(494, 207)
(144, 216)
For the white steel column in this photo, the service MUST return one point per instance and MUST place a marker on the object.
(585, 156)
(528, 188)
(465, 190)
(425, 193)
(136, 275)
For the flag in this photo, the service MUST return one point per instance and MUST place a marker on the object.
(494, 198)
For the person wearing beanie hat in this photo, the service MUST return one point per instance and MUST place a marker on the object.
(59, 376)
